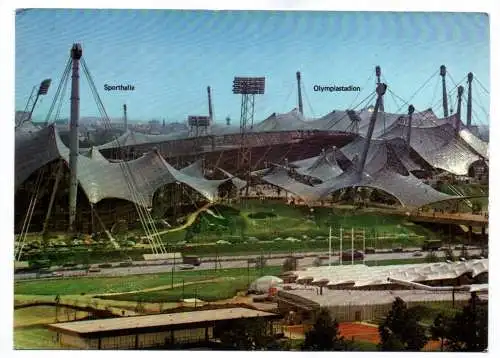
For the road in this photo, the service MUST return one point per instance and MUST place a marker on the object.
(226, 262)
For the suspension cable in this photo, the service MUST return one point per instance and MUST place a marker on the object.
(307, 100)
(64, 78)
(146, 219)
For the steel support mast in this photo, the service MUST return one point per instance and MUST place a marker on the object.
(442, 73)
(378, 73)
(76, 54)
(125, 124)
(458, 116)
(210, 108)
(470, 77)
(299, 91)
(381, 88)
(248, 87)
(411, 110)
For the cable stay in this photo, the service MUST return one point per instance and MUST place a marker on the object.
(140, 203)
(370, 78)
(29, 215)
(307, 100)
(62, 83)
(416, 92)
(367, 99)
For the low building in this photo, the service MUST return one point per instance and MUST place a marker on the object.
(154, 331)
(356, 305)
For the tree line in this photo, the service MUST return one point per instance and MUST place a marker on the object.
(401, 330)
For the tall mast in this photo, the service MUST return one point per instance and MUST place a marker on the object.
(381, 88)
(210, 109)
(411, 109)
(459, 110)
(125, 124)
(442, 72)
(470, 77)
(299, 91)
(76, 54)
(378, 73)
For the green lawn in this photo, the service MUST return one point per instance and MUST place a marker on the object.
(234, 225)
(39, 315)
(78, 285)
(37, 337)
(204, 291)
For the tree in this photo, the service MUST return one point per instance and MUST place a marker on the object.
(476, 207)
(439, 329)
(290, 264)
(248, 335)
(401, 329)
(324, 335)
(431, 257)
(468, 330)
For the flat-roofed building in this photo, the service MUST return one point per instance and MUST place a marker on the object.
(153, 331)
(359, 305)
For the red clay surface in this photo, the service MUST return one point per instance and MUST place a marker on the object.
(359, 332)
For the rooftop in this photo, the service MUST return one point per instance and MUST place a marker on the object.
(363, 276)
(158, 320)
(362, 298)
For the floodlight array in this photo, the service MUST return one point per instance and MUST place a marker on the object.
(249, 85)
(44, 87)
(200, 121)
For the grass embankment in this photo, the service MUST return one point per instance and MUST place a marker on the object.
(253, 227)
(30, 331)
(34, 338)
(209, 292)
(100, 285)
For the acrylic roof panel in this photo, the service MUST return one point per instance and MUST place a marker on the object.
(237, 182)
(130, 138)
(333, 121)
(102, 179)
(32, 151)
(481, 147)
(409, 190)
(279, 177)
(195, 169)
(293, 120)
(436, 142)
(324, 167)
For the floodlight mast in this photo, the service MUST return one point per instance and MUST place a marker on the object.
(248, 87)
(442, 73)
(381, 88)
(42, 90)
(76, 54)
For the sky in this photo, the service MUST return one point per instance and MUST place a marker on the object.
(171, 56)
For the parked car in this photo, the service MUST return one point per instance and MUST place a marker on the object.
(186, 267)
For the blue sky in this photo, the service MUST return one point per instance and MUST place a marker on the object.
(171, 56)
